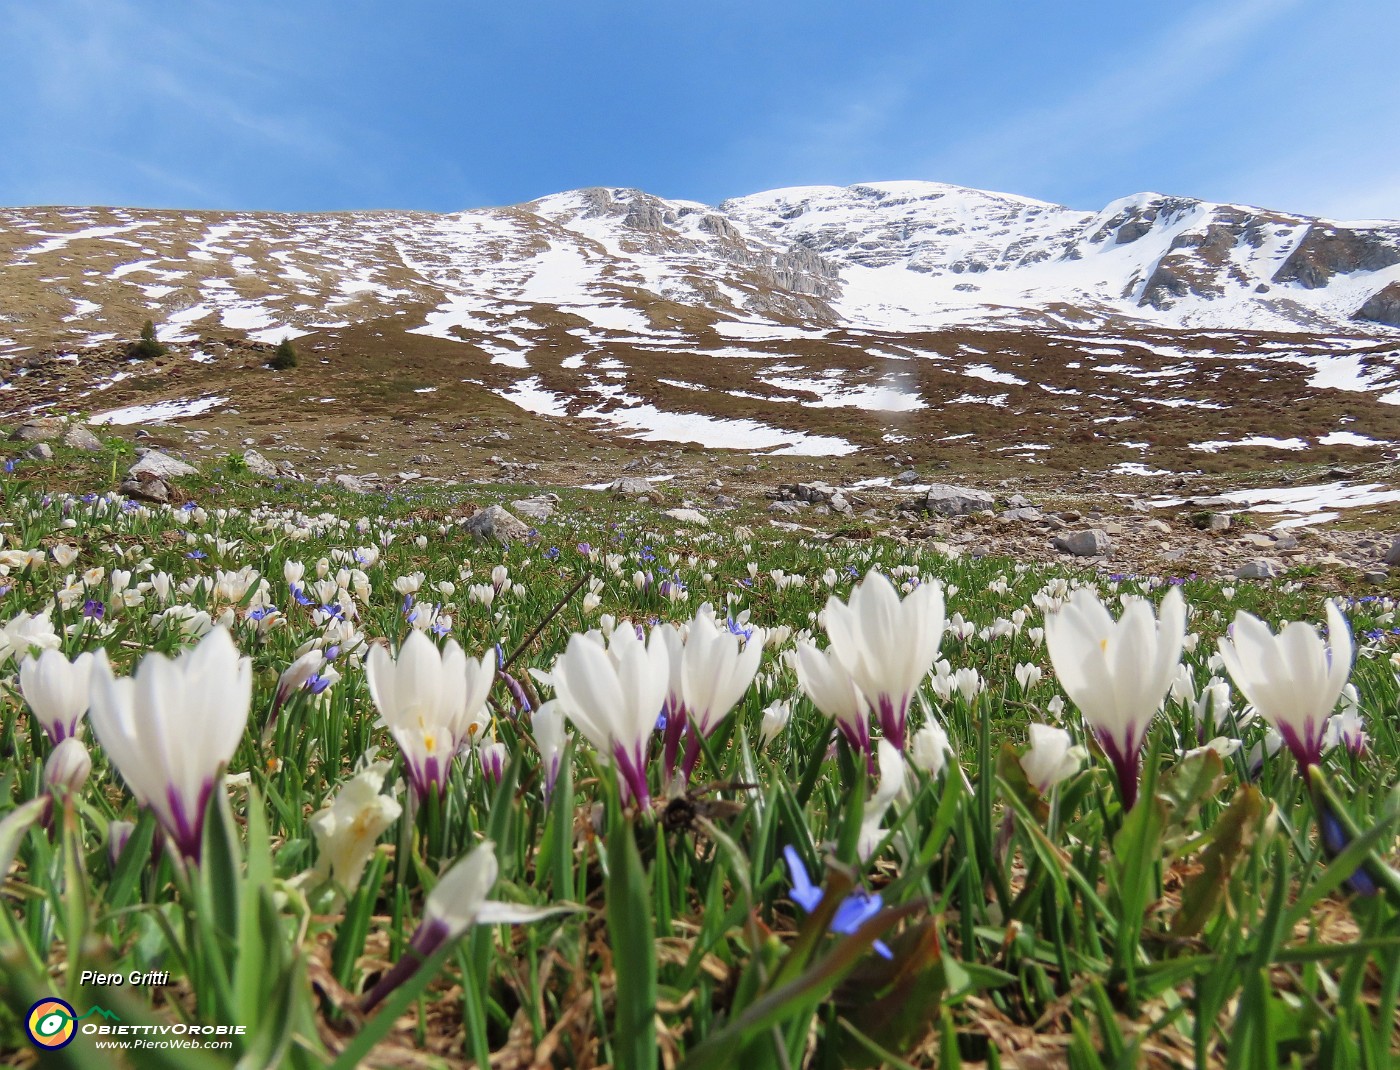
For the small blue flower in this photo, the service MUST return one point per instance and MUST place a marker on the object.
(855, 910)
(262, 612)
(552, 553)
(300, 595)
(94, 609)
(196, 555)
(317, 684)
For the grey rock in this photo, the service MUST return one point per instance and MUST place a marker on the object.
(533, 508)
(1214, 522)
(147, 488)
(907, 476)
(44, 429)
(1090, 542)
(41, 451)
(839, 504)
(1259, 568)
(948, 500)
(78, 437)
(630, 487)
(259, 465)
(786, 507)
(1376, 576)
(351, 483)
(1028, 513)
(1392, 556)
(724, 501)
(688, 516)
(495, 522)
(161, 466)
(286, 471)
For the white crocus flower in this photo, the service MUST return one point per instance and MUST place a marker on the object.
(20, 635)
(458, 902)
(346, 830)
(552, 737)
(832, 690)
(1051, 757)
(1293, 679)
(170, 729)
(57, 691)
(775, 719)
(892, 774)
(68, 767)
(1347, 727)
(715, 673)
(887, 644)
(1117, 672)
(614, 695)
(429, 700)
(929, 748)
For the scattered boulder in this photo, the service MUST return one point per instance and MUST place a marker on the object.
(630, 487)
(146, 487)
(43, 429)
(688, 516)
(948, 500)
(161, 466)
(351, 483)
(1091, 542)
(533, 508)
(1259, 568)
(907, 476)
(1211, 522)
(78, 437)
(495, 522)
(259, 465)
(40, 451)
(1392, 556)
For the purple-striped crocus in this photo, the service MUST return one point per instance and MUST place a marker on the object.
(57, 692)
(1293, 679)
(431, 700)
(1117, 671)
(887, 644)
(170, 729)
(832, 690)
(552, 737)
(614, 696)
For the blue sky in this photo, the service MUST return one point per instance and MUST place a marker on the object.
(431, 104)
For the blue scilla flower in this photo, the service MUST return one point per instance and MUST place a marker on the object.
(855, 910)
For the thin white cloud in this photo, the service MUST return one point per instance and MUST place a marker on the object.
(1113, 113)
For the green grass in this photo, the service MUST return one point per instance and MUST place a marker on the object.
(1205, 927)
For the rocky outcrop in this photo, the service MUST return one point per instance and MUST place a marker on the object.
(1383, 306)
(1326, 251)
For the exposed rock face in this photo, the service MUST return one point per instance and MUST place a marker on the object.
(1326, 251)
(160, 466)
(495, 522)
(1382, 307)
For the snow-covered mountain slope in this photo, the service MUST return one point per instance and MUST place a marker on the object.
(918, 255)
(805, 320)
